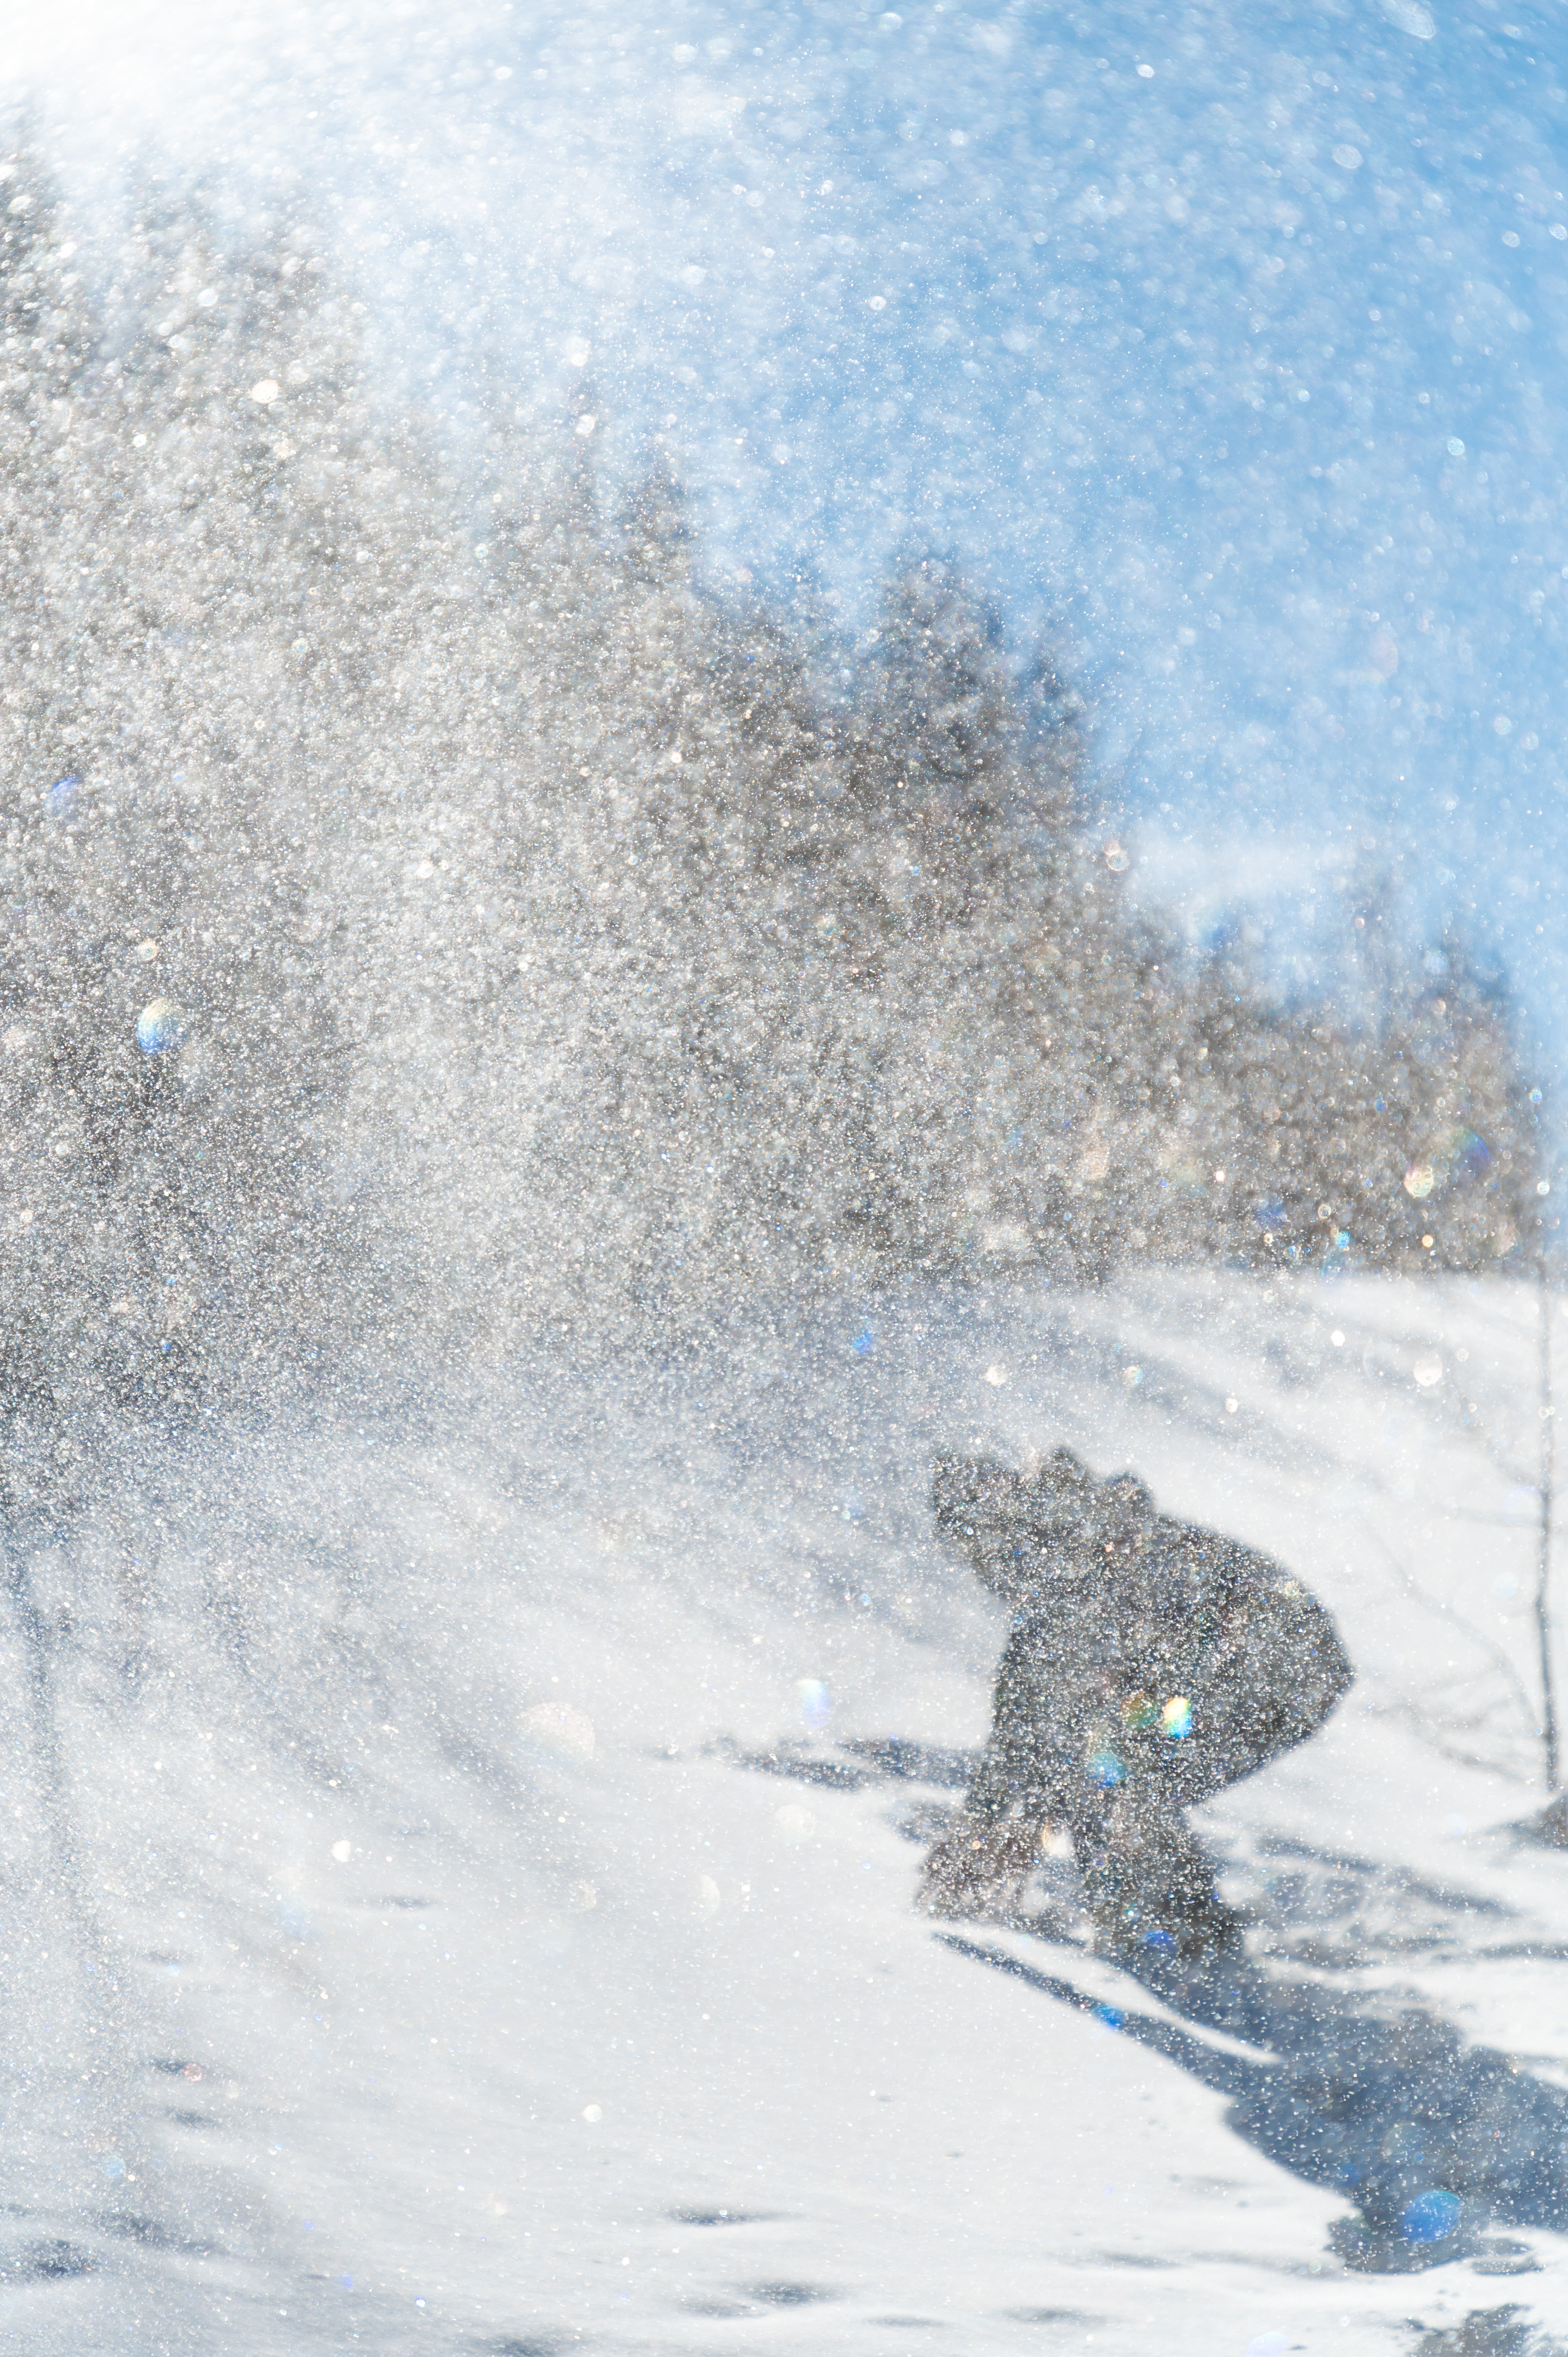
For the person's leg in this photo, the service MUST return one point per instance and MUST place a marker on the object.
(1148, 1883)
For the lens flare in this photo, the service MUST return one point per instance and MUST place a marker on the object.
(816, 1703)
(160, 1028)
(1431, 2217)
(556, 1727)
(1106, 1768)
(1176, 1717)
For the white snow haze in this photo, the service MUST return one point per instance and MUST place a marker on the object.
(506, 1185)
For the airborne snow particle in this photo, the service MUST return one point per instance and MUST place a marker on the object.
(1348, 158)
(265, 391)
(793, 1824)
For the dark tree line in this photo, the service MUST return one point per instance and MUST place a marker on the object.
(428, 912)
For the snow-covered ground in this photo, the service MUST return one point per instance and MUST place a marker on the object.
(455, 1913)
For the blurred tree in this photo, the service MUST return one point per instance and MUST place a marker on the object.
(433, 909)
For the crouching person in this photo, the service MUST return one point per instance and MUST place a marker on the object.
(1150, 1664)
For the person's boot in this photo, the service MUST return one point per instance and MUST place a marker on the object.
(1149, 1886)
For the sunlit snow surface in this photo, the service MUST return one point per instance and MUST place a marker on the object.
(1230, 341)
(456, 1912)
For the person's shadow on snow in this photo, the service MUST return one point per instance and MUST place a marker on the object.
(1435, 2141)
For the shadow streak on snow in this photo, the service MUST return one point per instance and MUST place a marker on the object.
(1376, 2097)
(37, 1653)
(1383, 2102)
(872, 1759)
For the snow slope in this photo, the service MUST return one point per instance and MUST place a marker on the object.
(439, 1915)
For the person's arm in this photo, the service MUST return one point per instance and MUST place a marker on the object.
(993, 1838)
(1014, 1777)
